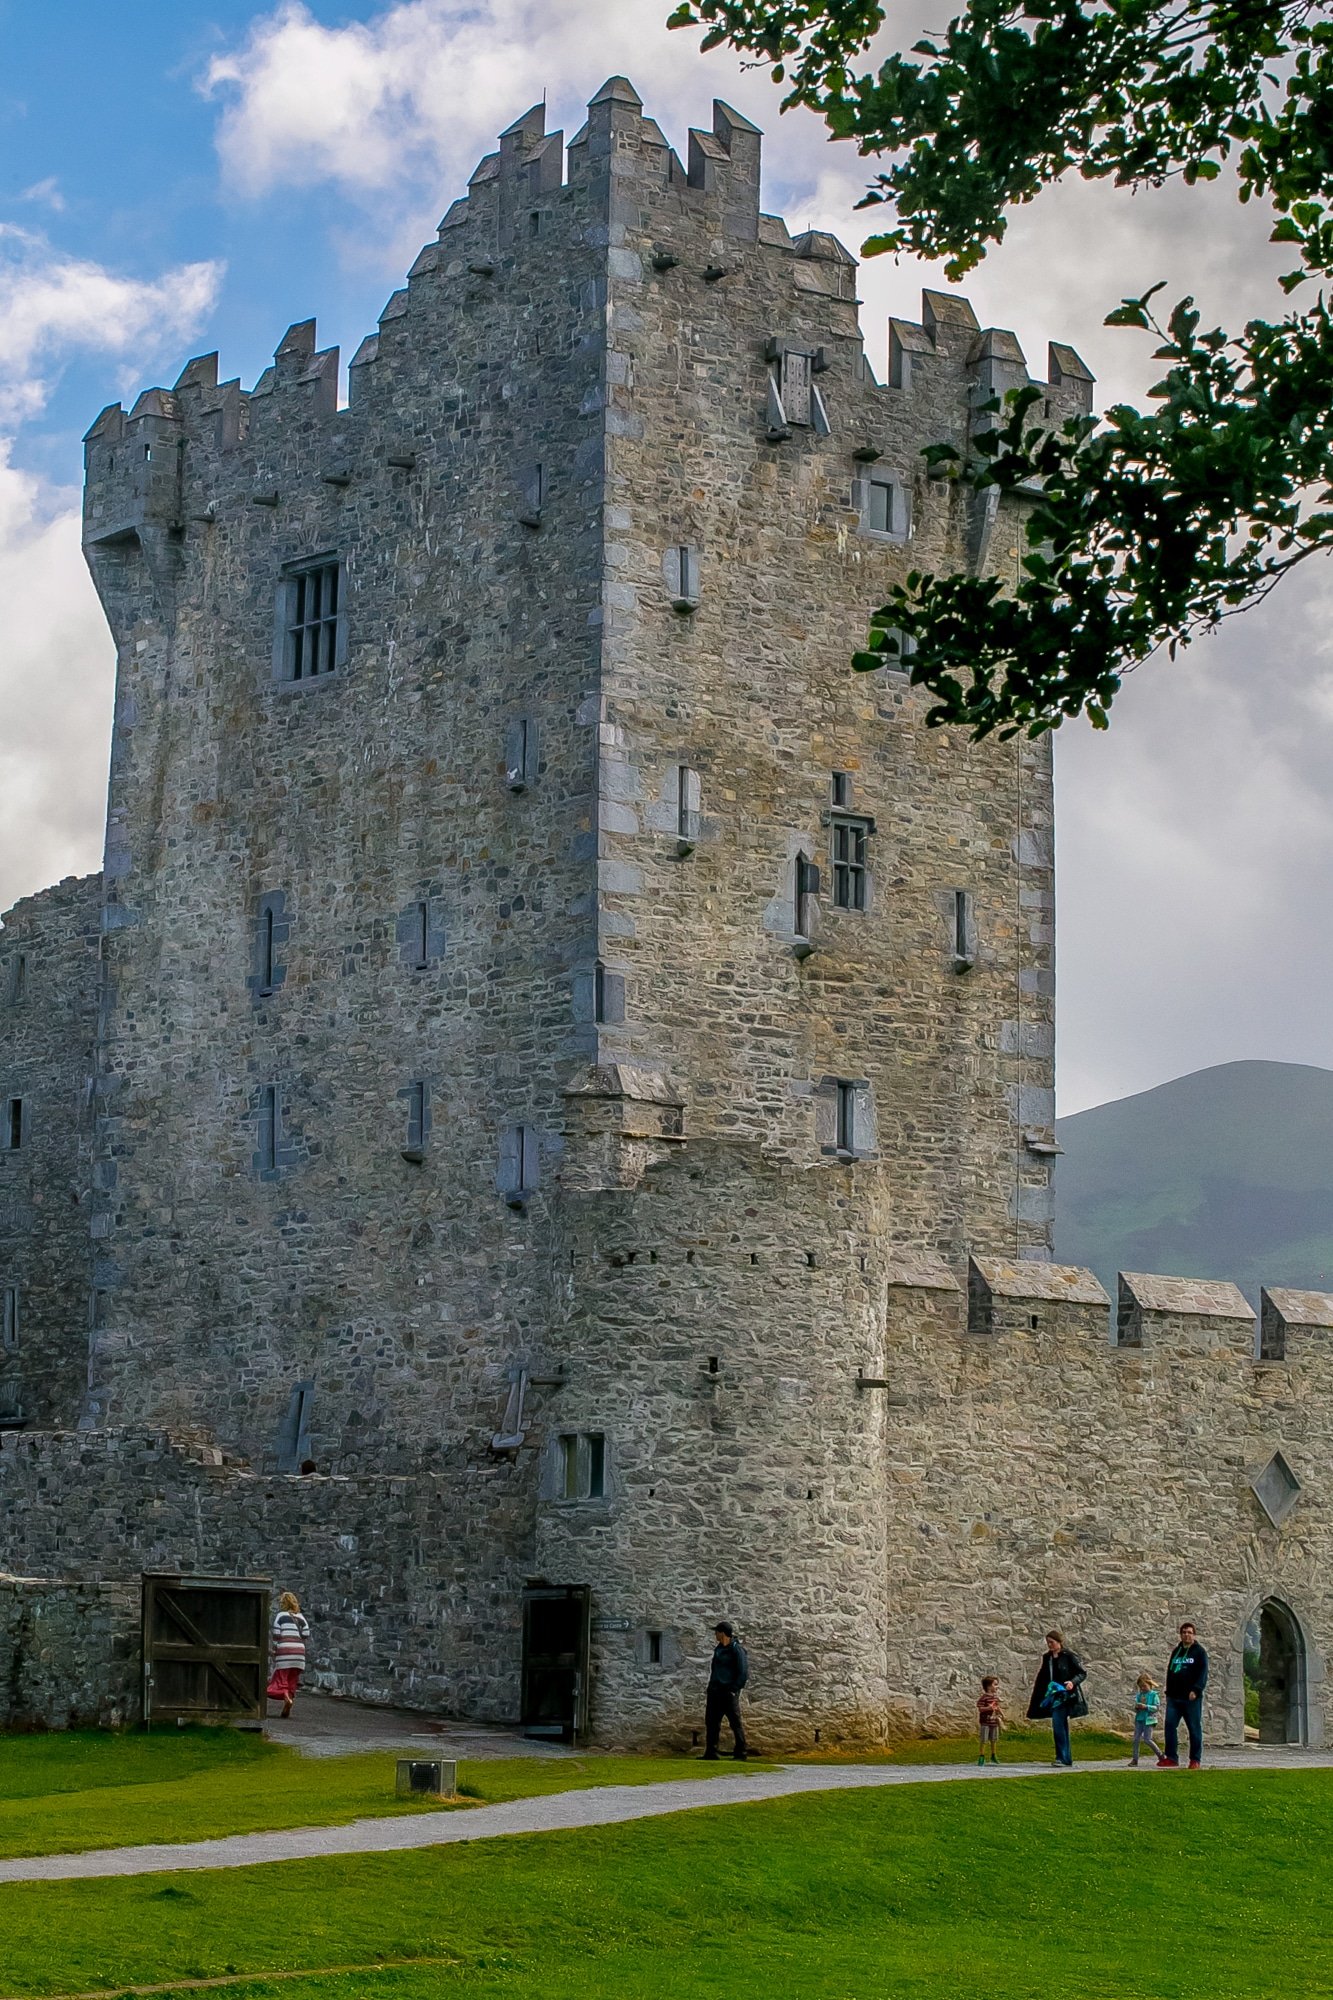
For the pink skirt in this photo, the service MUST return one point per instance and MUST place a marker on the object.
(285, 1682)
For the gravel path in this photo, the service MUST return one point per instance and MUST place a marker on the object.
(609, 1805)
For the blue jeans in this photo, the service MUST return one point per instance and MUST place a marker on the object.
(1191, 1714)
(1060, 1731)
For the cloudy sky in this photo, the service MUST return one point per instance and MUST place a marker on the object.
(181, 175)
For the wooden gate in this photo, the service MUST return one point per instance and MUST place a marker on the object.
(205, 1648)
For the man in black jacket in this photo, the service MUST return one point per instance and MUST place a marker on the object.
(1186, 1679)
(731, 1670)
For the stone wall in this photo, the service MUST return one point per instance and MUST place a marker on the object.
(49, 959)
(70, 1654)
(1052, 1462)
(889, 1502)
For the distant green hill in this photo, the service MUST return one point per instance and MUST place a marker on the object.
(1224, 1174)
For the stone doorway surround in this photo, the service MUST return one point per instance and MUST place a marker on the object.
(1290, 1677)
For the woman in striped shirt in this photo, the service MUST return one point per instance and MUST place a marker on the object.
(290, 1633)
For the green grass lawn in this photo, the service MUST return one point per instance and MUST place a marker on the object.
(63, 1793)
(1119, 1887)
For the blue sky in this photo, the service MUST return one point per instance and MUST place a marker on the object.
(178, 177)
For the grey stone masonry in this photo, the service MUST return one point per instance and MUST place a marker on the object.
(49, 989)
(70, 1654)
(574, 1079)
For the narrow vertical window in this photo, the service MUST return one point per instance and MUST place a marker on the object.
(417, 1103)
(521, 754)
(569, 1467)
(840, 791)
(9, 1319)
(13, 1126)
(807, 888)
(846, 1118)
(19, 984)
(532, 497)
(687, 559)
(689, 800)
(266, 949)
(599, 992)
(654, 1649)
(269, 1113)
(421, 934)
(527, 1158)
(964, 930)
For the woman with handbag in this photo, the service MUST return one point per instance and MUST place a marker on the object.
(1057, 1695)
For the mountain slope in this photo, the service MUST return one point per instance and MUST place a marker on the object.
(1227, 1173)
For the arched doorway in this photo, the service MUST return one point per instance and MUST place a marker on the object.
(1275, 1676)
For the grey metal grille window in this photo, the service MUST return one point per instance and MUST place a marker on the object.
(850, 873)
(312, 620)
(13, 1130)
(9, 1319)
(794, 384)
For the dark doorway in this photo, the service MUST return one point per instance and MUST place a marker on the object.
(1275, 1674)
(205, 1648)
(556, 1624)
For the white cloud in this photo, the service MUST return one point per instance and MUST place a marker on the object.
(47, 192)
(56, 656)
(51, 303)
(57, 665)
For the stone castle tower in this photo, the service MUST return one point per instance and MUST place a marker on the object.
(562, 1034)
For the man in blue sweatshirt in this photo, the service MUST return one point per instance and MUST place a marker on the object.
(1186, 1679)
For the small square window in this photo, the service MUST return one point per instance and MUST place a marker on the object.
(581, 1465)
(312, 620)
(850, 867)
